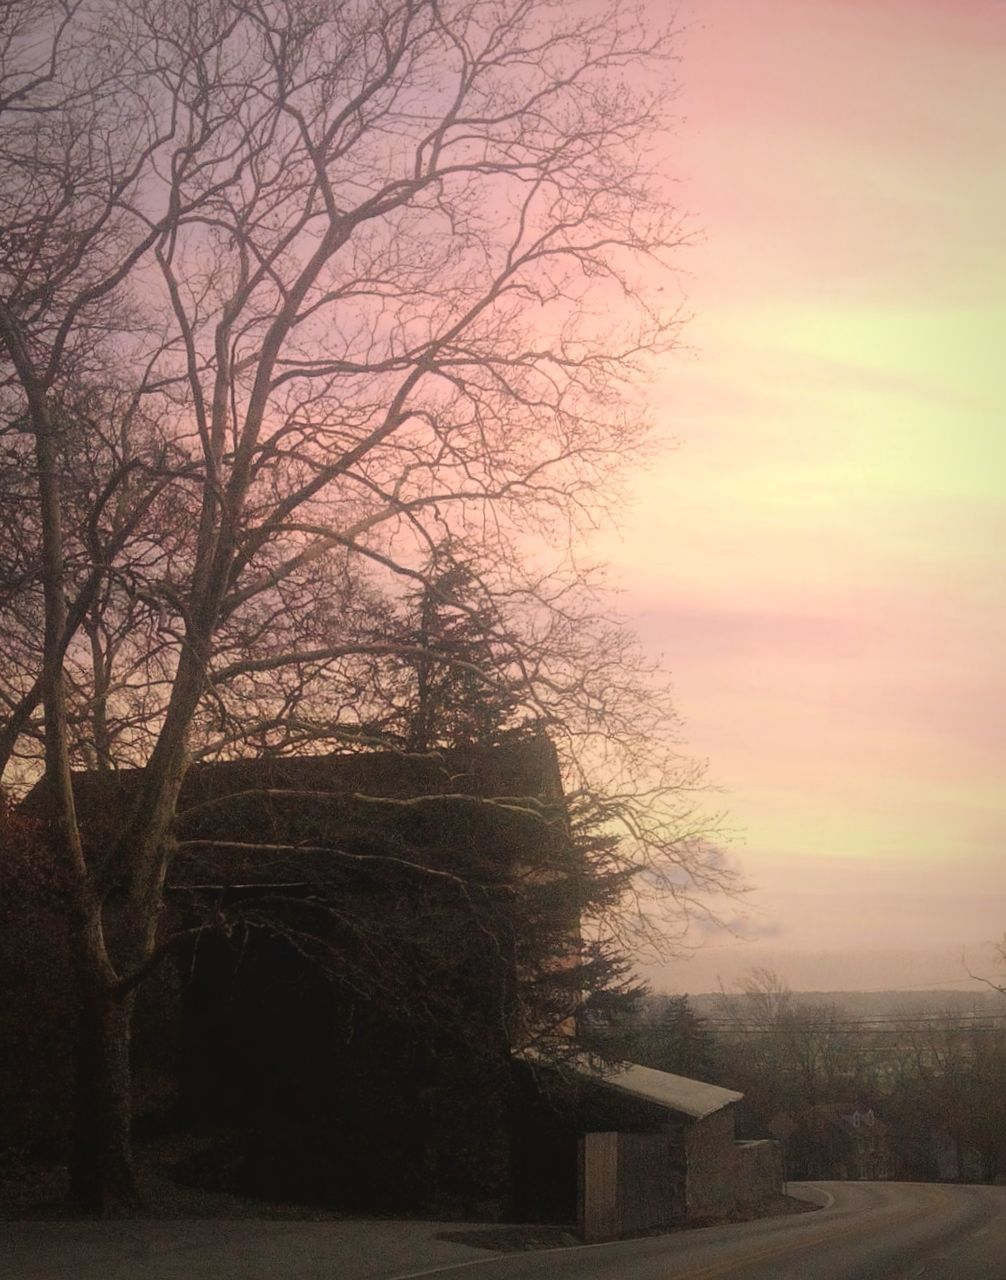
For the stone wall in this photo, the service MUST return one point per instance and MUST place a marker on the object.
(684, 1173)
(711, 1162)
(758, 1174)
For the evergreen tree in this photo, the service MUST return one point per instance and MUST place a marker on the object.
(455, 661)
(659, 1031)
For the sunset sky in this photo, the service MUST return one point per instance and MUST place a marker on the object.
(821, 561)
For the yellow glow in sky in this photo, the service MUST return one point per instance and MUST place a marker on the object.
(822, 561)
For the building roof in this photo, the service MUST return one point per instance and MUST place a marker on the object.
(853, 1119)
(277, 819)
(680, 1094)
(688, 1097)
(519, 767)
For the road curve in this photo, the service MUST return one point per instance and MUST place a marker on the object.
(868, 1231)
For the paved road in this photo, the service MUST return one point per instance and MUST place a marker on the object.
(869, 1231)
(224, 1249)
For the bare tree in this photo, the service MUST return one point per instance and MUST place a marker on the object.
(947, 1079)
(994, 984)
(374, 270)
(788, 1055)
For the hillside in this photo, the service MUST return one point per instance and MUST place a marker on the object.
(878, 1004)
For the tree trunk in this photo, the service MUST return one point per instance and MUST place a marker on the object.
(113, 950)
(102, 1175)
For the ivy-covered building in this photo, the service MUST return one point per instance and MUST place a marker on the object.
(364, 940)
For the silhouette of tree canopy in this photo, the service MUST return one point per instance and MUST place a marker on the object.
(287, 291)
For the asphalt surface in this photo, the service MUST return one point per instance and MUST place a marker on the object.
(224, 1249)
(867, 1231)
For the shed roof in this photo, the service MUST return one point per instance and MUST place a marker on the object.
(688, 1097)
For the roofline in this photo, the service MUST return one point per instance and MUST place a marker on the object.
(681, 1095)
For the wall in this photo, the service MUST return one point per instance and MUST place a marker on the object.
(649, 1193)
(628, 1183)
(634, 1181)
(710, 1157)
(758, 1174)
(597, 1216)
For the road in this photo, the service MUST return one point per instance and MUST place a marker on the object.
(871, 1231)
(868, 1231)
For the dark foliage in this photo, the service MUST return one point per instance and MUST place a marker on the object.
(658, 1031)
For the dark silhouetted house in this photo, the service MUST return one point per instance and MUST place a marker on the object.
(838, 1141)
(375, 932)
(372, 939)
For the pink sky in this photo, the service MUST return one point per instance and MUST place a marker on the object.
(821, 562)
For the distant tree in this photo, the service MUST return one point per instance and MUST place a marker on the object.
(993, 983)
(786, 1056)
(682, 1040)
(947, 1079)
(659, 1031)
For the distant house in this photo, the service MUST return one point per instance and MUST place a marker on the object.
(837, 1141)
